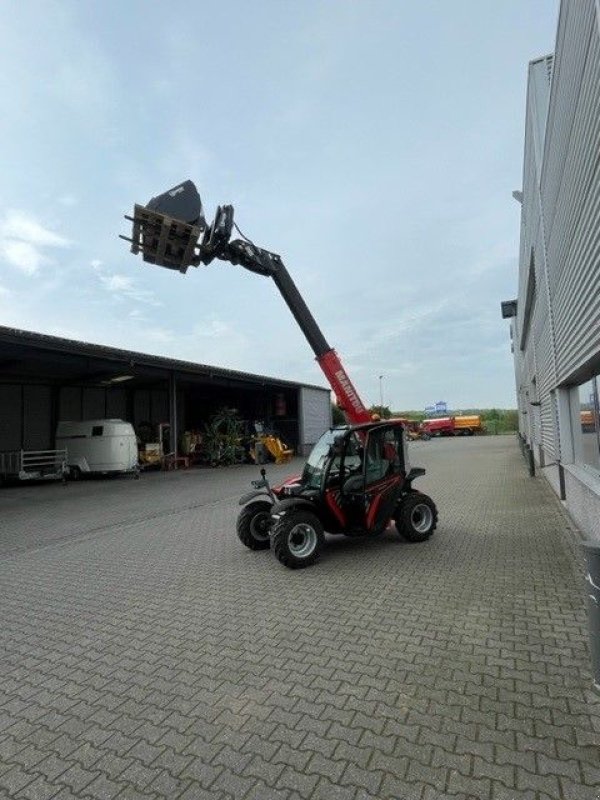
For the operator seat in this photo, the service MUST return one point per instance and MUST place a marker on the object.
(353, 484)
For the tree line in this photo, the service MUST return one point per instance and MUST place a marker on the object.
(495, 420)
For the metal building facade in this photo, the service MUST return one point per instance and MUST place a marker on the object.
(556, 329)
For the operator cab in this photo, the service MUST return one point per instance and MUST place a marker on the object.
(352, 459)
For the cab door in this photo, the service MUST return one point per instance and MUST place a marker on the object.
(383, 475)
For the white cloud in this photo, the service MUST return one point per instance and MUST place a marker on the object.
(22, 226)
(159, 335)
(213, 329)
(22, 255)
(118, 283)
(23, 241)
(123, 285)
(68, 200)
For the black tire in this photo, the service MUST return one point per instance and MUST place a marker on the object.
(253, 525)
(416, 517)
(298, 537)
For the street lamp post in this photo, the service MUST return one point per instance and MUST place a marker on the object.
(381, 391)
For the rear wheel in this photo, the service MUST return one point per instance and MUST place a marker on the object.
(298, 538)
(416, 517)
(254, 524)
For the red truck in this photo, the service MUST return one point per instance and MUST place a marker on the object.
(463, 425)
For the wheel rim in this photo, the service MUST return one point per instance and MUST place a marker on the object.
(259, 526)
(421, 518)
(302, 540)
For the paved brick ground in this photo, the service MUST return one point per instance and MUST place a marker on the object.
(146, 653)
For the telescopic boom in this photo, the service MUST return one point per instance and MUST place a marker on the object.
(167, 232)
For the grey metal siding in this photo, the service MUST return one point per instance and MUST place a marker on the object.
(314, 413)
(69, 406)
(10, 418)
(116, 404)
(557, 339)
(37, 416)
(94, 402)
(141, 407)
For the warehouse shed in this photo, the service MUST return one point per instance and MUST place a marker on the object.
(46, 379)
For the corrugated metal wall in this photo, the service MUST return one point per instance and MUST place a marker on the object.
(314, 415)
(11, 399)
(29, 412)
(560, 224)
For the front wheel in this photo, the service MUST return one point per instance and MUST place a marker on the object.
(416, 517)
(297, 539)
(253, 525)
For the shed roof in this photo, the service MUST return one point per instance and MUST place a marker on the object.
(30, 340)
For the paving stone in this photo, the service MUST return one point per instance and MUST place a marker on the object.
(15, 779)
(103, 788)
(474, 787)
(139, 775)
(202, 773)
(232, 784)
(577, 791)
(77, 778)
(165, 785)
(539, 783)
(188, 653)
(394, 788)
(362, 778)
(39, 789)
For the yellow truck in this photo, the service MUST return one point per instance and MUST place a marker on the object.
(467, 425)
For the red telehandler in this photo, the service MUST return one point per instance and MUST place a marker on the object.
(357, 477)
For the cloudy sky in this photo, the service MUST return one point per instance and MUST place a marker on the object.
(375, 145)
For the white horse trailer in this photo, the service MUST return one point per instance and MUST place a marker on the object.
(99, 446)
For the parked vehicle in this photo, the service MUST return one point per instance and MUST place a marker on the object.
(466, 425)
(99, 446)
(442, 426)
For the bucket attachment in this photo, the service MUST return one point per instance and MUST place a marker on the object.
(167, 231)
(182, 203)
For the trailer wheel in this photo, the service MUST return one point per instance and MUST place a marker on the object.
(253, 525)
(298, 538)
(416, 517)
